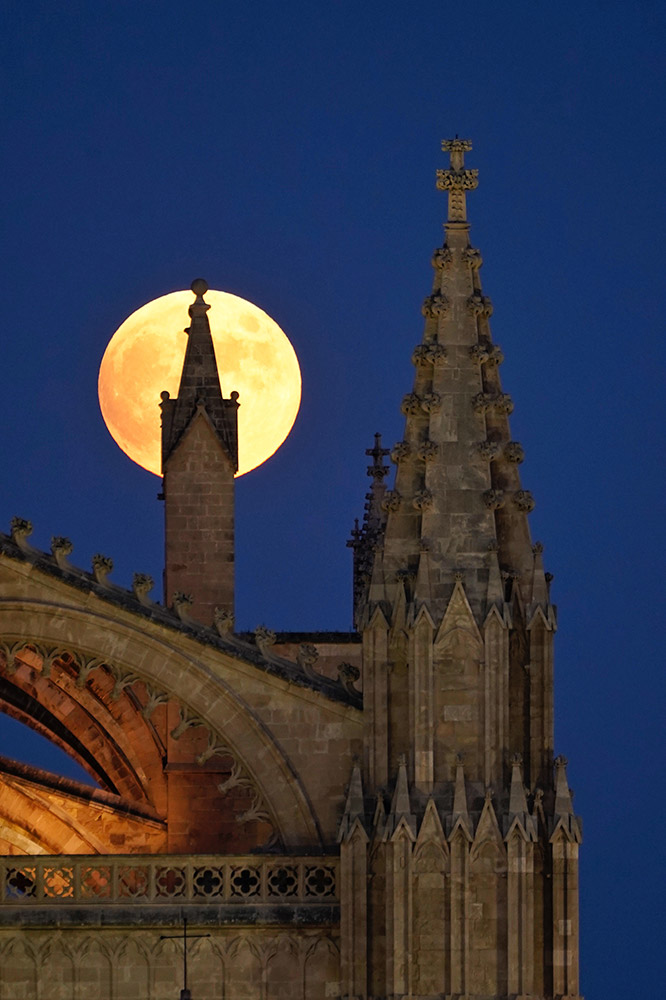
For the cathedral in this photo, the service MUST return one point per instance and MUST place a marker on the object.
(298, 816)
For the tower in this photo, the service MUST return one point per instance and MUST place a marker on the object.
(199, 460)
(373, 814)
(458, 844)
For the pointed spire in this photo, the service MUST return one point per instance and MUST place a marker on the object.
(539, 594)
(563, 813)
(457, 479)
(199, 390)
(401, 807)
(459, 818)
(563, 803)
(354, 806)
(517, 799)
(364, 539)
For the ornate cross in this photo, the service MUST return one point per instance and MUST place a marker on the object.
(184, 993)
(377, 470)
(456, 180)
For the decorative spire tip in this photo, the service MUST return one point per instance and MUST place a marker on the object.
(199, 286)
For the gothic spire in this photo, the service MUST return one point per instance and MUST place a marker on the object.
(457, 489)
(199, 389)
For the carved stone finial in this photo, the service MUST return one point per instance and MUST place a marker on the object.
(400, 451)
(223, 621)
(348, 674)
(516, 758)
(306, 657)
(479, 305)
(478, 353)
(524, 501)
(61, 547)
(435, 305)
(560, 761)
(411, 404)
(21, 530)
(473, 257)
(142, 584)
(377, 470)
(199, 286)
(391, 501)
(513, 452)
(101, 567)
(441, 258)
(482, 402)
(502, 403)
(428, 451)
(264, 637)
(431, 402)
(429, 354)
(458, 576)
(537, 548)
(182, 604)
(494, 499)
(423, 500)
(457, 180)
(488, 450)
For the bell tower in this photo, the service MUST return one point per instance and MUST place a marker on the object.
(459, 846)
(199, 461)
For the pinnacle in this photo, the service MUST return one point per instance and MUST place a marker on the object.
(457, 480)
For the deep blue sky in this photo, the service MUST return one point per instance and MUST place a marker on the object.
(287, 152)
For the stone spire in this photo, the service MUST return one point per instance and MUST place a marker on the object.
(199, 460)
(457, 490)
(364, 539)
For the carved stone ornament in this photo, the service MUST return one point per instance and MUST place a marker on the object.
(182, 604)
(423, 500)
(223, 621)
(488, 450)
(429, 354)
(473, 257)
(495, 355)
(101, 567)
(479, 305)
(441, 258)
(482, 402)
(523, 500)
(411, 403)
(61, 547)
(348, 674)
(560, 761)
(457, 180)
(513, 452)
(435, 305)
(432, 402)
(391, 501)
(264, 637)
(502, 403)
(400, 451)
(21, 529)
(537, 548)
(479, 354)
(456, 145)
(428, 450)
(142, 584)
(494, 499)
(307, 656)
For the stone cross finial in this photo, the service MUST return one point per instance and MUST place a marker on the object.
(456, 180)
(377, 470)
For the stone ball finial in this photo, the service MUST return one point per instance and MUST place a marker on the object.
(199, 286)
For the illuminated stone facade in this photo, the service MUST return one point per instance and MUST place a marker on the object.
(373, 814)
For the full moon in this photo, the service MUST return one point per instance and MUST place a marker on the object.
(254, 358)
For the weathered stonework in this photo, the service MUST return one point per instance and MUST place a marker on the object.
(373, 814)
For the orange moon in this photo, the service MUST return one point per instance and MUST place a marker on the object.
(254, 358)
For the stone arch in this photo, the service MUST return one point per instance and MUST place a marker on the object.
(206, 694)
(206, 971)
(321, 972)
(56, 971)
(131, 971)
(93, 971)
(244, 971)
(18, 972)
(283, 970)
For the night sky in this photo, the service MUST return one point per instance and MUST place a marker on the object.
(287, 153)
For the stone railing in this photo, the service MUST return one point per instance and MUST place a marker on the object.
(166, 879)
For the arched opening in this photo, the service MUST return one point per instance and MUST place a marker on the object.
(21, 743)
